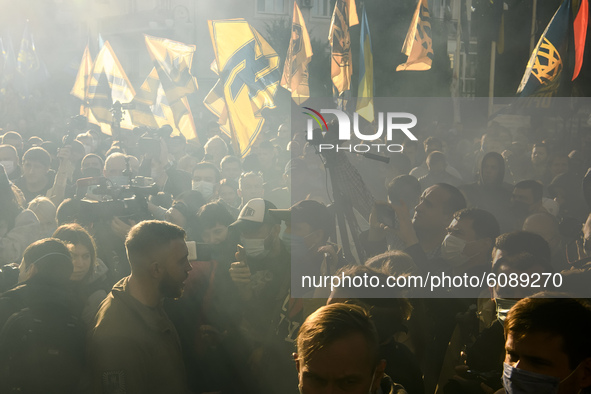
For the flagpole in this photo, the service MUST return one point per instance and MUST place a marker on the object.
(532, 41)
(491, 79)
(456, 74)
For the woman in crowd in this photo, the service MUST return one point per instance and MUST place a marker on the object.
(89, 273)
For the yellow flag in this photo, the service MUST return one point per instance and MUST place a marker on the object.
(299, 54)
(108, 84)
(80, 88)
(249, 73)
(418, 45)
(214, 101)
(173, 61)
(341, 68)
(144, 101)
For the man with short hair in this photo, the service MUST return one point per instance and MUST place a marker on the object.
(13, 138)
(547, 226)
(37, 177)
(231, 168)
(437, 163)
(92, 165)
(206, 179)
(526, 200)
(115, 166)
(514, 254)
(527, 197)
(422, 236)
(309, 225)
(539, 161)
(469, 241)
(134, 347)
(338, 351)
(433, 214)
(547, 345)
(432, 144)
(215, 150)
(9, 159)
(250, 185)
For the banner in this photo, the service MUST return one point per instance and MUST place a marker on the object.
(9, 64)
(249, 77)
(543, 76)
(30, 71)
(341, 68)
(80, 88)
(142, 113)
(580, 31)
(366, 84)
(109, 84)
(418, 45)
(173, 61)
(299, 54)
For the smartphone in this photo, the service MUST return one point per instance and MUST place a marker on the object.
(386, 215)
(192, 247)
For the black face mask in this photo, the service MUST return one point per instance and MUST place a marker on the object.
(91, 172)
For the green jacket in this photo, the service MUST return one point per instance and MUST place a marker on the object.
(134, 348)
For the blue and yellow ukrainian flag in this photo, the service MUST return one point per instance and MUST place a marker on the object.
(418, 45)
(344, 16)
(299, 54)
(249, 73)
(173, 61)
(108, 83)
(366, 84)
(545, 70)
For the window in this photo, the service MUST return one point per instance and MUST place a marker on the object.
(321, 8)
(271, 6)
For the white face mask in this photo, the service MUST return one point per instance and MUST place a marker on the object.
(503, 307)
(8, 166)
(203, 187)
(451, 250)
(87, 149)
(254, 247)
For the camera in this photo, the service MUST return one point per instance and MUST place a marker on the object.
(122, 201)
(8, 277)
(76, 125)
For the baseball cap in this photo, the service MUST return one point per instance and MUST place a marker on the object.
(312, 212)
(254, 214)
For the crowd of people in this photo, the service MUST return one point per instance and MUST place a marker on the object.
(145, 263)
